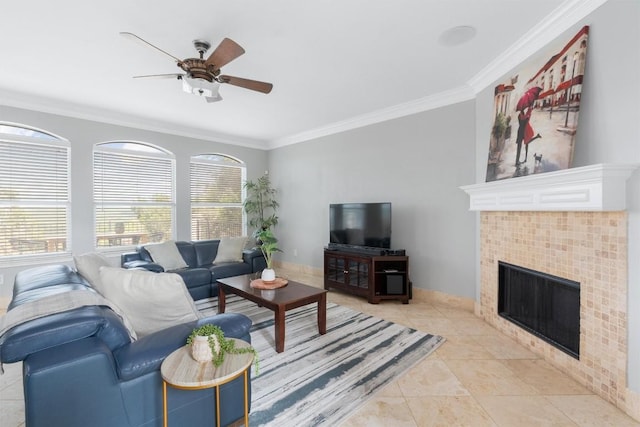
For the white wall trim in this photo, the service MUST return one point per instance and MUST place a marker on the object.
(561, 19)
(442, 99)
(68, 109)
(599, 187)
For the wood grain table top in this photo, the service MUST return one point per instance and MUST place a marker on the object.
(179, 369)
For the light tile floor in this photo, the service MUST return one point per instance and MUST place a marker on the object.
(478, 377)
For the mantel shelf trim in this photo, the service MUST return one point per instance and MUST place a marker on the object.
(599, 187)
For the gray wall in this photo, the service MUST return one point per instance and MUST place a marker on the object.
(83, 134)
(608, 128)
(415, 162)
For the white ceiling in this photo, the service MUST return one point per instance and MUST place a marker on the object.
(334, 64)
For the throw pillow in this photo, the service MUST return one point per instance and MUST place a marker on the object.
(88, 265)
(151, 301)
(230, 249)
(167, 255)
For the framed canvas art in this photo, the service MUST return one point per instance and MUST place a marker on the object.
(535, 114)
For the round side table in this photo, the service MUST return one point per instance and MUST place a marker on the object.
(181, 371)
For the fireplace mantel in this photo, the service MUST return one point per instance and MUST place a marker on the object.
(599, 187)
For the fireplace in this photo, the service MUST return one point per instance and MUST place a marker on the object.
(572, 224)
(545, 305)
(586, 247)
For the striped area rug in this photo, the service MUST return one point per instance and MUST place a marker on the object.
(321, 379)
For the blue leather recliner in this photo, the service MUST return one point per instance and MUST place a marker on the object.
(80, 367)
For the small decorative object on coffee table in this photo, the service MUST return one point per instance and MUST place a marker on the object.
(180, 370)
(283, 299)
(278, 282)
(268, 244)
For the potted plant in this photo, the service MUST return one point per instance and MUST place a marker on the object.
(268, 244)
(260, 203)
(209, 344)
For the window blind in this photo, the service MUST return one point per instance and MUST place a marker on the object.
(216, 198)
(133, 195)
(34, 197)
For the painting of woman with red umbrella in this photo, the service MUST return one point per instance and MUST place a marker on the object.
(525, 130)
(542, 98)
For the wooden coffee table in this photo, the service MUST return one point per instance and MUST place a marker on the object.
(280, 300)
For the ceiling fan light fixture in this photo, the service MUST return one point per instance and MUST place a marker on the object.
(202, 87)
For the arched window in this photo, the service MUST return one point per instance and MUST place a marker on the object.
(216, 196)
(134, 194)
(34, 191)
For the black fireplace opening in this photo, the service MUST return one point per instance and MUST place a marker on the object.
(545, 305)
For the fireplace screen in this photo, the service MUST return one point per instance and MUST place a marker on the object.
(545, 305)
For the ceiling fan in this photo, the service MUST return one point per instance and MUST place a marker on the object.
(202, 76)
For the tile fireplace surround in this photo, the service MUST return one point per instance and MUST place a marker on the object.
(571, 224)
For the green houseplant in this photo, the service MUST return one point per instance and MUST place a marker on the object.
(260, 203)
(219, 346)
(268, 244)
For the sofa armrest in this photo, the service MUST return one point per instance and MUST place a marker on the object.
(61, 328)
(46, 276)
(146, 354)
(255, 259)
(136, 260)
(147, 265)
(129, 256)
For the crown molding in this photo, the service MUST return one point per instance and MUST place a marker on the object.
(68, 109)
(552, 26)
(442, 99)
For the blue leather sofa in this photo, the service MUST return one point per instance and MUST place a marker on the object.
(201, 275)
(81, 369)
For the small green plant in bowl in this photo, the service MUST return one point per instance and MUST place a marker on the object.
(268, 244)
(219, 345)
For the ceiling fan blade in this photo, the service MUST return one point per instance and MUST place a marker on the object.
(227, 51)
(137, 39)
(161, 76)
(246, 83)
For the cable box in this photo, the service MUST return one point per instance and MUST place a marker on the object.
(395, 252)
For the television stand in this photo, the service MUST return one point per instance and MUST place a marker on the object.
(375, 277)
(360, 250)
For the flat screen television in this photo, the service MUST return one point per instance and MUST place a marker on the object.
(360, 224)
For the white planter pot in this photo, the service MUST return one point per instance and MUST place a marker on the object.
(268, 275)
(201, 350)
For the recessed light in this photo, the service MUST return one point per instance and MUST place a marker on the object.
(457, 35)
